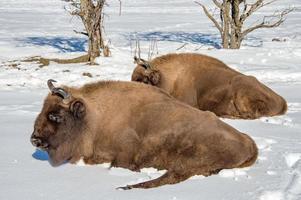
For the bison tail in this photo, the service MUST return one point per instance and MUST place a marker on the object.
(167, 178)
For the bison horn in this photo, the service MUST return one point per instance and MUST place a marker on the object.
(142, 62)
(57, 91)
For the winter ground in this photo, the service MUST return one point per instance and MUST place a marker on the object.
(34, 27)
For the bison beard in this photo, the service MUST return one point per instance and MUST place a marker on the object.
(136, 126)
(208, 84)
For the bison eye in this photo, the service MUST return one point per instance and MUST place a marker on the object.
(55, 118)
(145, 80)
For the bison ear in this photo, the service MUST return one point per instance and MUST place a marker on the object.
(155, 77)
(78, 109)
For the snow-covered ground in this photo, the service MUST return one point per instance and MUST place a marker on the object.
(34, 27)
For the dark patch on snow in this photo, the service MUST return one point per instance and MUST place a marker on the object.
(63, 44)
(213, 40)
(182, 37)
(40, 155)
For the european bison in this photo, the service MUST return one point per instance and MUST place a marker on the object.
(208, 84)
(134, 126)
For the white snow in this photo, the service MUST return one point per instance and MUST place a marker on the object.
(35, 27)
(272, 196)
(292, 158)
(233, 173)
(272, 173)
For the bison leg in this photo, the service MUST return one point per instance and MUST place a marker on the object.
(167, 178)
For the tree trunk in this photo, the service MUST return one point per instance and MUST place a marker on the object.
(226, 24)
(232, 27)
(91, 16)
(237, 25)
(94, 44)
(233, 14)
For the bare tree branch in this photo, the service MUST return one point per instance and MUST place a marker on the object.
(152, 47)
(217, 25)
(120, 6)
(269, 24)
(80, 32)
(254, 7)
(182, 46)
(218, 4)
(100, 3)
(137, 48)
(77, 13)
(245, 6)
(233, 14)
(74, 12)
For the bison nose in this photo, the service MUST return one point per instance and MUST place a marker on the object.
(38, 142)
(35, 141)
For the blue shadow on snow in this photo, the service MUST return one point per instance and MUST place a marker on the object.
(213, 40)
(63, 44)
(182, 37)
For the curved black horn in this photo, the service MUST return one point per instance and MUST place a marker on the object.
(136, 59)
(57, 91)
(146, 64)
(50, 84)
(142, 62)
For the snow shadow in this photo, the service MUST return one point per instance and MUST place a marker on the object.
(40, 155)
(192, 38)
(43, 156)
(63, 44)
(182, 37)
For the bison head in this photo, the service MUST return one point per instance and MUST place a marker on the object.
(58, 126)
(145, 73)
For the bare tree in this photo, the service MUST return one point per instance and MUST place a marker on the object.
(91, 14)
(152, 49)
(233, 15)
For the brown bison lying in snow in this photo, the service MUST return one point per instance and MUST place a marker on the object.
(136, 126)
(208, 84)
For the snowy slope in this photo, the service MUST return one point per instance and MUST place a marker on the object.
(34, 27)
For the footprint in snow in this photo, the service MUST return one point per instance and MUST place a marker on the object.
(292, 158)
(293, 188)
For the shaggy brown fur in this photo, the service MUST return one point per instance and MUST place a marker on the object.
(208, 84)
(134, 126)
